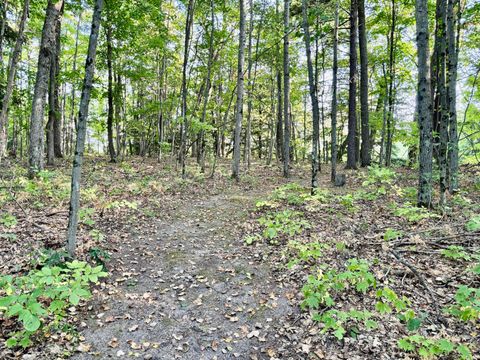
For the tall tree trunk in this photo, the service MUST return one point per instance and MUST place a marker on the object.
(47, 45)
(362, 35)
(206, 92)
(286, 88)
(82, 128)
(391, 93)
(279, 142)
(240, 90)
(73, 121)
(57, 119)
(248, 135)
(352, 93)
(12, 67)
(110, 115)
(442, 91)
(54, 144)
(424, 106)
(452, 65)
(334, 96)
(184, 128)
(313, 97)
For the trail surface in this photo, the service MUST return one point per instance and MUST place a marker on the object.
(186, 288)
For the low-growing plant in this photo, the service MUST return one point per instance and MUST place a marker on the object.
(8, 220)
(467, 304)
(473, 224)
(456, 252)
(430, 348)
(38, 300)
(85, 216)
(379, 175)
(413, 213)
(287, 222)
(306, 252)
(291, 193)
(391, 234)
(251, 239)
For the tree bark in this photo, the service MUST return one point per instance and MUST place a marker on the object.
(391, 95)
(366, 147)
(334, 96)
(240, 90)
(12, 67)
(110, 114)
(279, 142)
(286, 89)
(313, 97)
(184, 128)
(452, 66)
(424, 105)
(82, 128)
(47, 44)
(352, 93)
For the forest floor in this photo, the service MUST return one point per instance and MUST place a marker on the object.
(206, 268)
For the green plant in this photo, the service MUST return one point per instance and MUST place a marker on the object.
(307, 253)
(291, 193)
(413, 213)
(39, 299)
(456, 252)
(8, 220)
(52, 257)
(250, 239)
(428, 348)
(348, 201)
(86, 216)
(100, 256)
(287, 222)
(467, 304)
(473, 224)
(379, 175)
(339, 321)
(392, 234)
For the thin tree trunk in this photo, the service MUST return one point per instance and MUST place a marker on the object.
(391, 95)
(206, 93)
(313, 97)
(184, 128)
(12, 67)
(452, 65)
(47, 44)
(279, 149)
(248, 135)
(362, 35)
(286, 88)
(334, 96)
(110, 115)
(352, 93)
(82, 128)
(424, 105)
(240, 90)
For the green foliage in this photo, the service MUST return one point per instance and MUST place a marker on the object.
(473, 224)
(429, 348)
(8, 220)
(379, 176)
(348, 201)
(291, 193)
(251, 239)
(413, 213)
(50, 257)
(337, 321)
(391, 234)
(287, 223)
(307, 253)
(456, 253)
(100, 256)
(86, 216)
(40, 298)
(467, 304)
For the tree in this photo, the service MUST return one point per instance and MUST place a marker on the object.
(334, 96)
(12, 67)
(366, 148)
(424, 105)
(47, 45)
(240, 90)
(313, 97)
(352, 92)
(184, 129)
(82, 128)
(110, 115)
(286, 89)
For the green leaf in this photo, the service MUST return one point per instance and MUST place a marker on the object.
(445, 346)
(30, 321)
(339, 333)
(74, 298)
(464, 351)
(414, 324)
(12, 342)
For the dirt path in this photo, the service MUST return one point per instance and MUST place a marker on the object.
(186, 288)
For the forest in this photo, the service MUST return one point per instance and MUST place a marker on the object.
(251, 179)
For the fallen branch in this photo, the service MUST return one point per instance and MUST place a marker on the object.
(422, 281)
